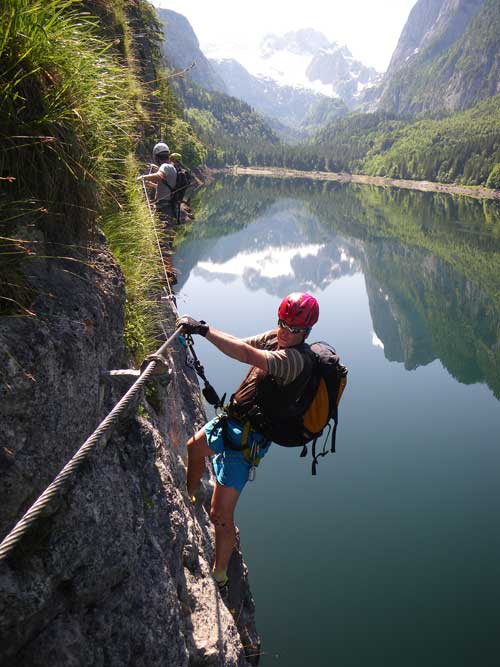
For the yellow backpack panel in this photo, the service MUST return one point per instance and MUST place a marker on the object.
(318, 413)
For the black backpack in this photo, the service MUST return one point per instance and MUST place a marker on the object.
(183, 181)
(307, 414)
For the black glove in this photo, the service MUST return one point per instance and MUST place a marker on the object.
(191, 326)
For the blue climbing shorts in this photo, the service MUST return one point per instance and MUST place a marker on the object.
(231, 467)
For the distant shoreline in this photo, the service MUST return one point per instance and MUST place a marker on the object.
(478, 192)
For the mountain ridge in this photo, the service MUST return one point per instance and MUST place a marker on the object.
(181, 48)
(304, 59)
(300, 111)
(454, 65)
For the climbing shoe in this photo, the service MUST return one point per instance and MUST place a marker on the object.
(200, 496)
(222, 581)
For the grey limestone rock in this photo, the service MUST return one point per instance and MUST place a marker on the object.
(117, 572)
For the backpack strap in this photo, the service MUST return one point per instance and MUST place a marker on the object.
(335, 418)
(324, 451)
(335, 413)
(315, 457)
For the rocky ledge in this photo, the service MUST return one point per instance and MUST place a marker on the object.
(117, 572)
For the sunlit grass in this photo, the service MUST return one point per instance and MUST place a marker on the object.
(70, 109)
(131, 236)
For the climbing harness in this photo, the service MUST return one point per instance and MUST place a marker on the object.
(250, 452)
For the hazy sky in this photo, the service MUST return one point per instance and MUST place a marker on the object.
(370, 29)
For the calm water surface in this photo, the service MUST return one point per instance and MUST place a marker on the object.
(391, 555)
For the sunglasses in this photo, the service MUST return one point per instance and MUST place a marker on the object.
(292, 330)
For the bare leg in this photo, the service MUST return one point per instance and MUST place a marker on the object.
(224, 501)
(197, 450)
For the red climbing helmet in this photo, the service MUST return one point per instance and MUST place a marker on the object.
(299, 309)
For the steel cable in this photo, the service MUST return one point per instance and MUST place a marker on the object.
(104, 429)
(153, 223)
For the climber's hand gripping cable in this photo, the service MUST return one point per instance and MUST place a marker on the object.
(191, 326)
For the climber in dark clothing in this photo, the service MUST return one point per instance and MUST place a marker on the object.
(235, 449)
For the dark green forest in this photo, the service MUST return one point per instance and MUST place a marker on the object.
(228, 127)
(463, 147)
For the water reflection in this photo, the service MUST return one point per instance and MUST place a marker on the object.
(430, 262)
(271, 253)
(282, 249)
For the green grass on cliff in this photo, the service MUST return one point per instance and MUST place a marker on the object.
(72, 113)
(130, 232)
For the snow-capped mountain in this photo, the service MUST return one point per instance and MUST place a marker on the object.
(293, 112)
(303, 59)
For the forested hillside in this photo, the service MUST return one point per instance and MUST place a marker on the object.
(462, 147)
(459, 148)
(228, 127)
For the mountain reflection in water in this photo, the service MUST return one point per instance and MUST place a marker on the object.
(430, 262)
(389, 556)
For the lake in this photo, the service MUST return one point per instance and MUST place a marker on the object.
(391, 554)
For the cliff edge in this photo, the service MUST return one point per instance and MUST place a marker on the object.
(118, 572)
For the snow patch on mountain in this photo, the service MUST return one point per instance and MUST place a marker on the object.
(292, 60)
(272, 262)
(283, 67)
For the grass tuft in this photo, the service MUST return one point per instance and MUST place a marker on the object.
(131, 236)
(71, 114)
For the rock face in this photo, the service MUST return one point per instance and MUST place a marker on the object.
(347, 76)
(117, 572)
(181, 48)
(447, 58)
(419, 24)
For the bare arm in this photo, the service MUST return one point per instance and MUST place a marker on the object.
(237, 349)
(151, 178)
